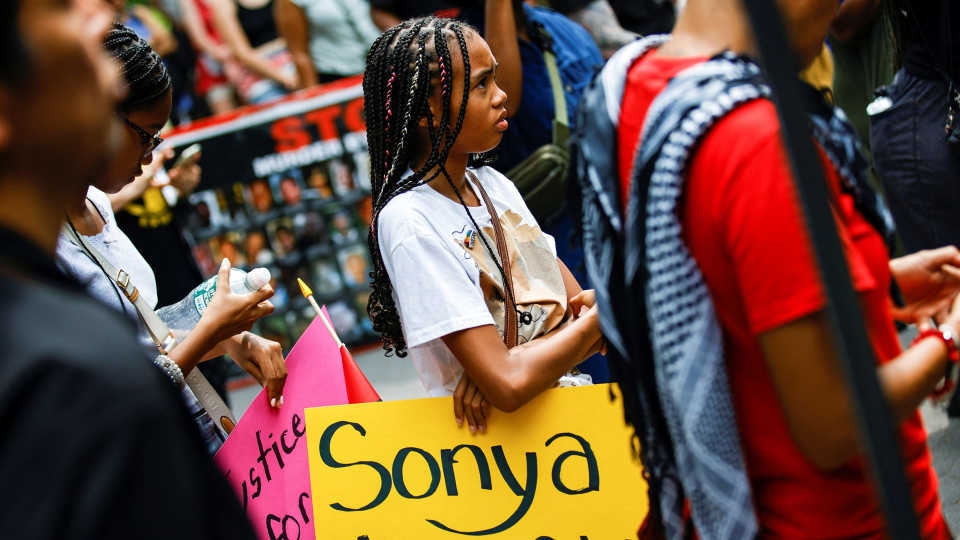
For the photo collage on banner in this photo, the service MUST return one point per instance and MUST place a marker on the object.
(308, 222)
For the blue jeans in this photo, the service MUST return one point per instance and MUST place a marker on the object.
(560, 228)
(919, 172)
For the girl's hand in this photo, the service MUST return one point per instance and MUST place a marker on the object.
(262, 359)
(929, 281)
(593, 316)
(230, 314)
(469, 401)
(586, 299)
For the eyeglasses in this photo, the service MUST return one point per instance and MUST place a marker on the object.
(149, 142)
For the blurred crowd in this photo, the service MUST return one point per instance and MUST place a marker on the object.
(222, 54)
(97, 444)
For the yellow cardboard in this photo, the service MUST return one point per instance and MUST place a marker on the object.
(357, 453)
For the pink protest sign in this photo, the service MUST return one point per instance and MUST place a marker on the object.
(265, 458)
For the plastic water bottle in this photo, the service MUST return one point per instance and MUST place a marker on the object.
(185, 314)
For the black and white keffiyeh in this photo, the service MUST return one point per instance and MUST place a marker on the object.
(663, 325)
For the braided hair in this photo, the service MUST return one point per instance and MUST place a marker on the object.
(403, 66)
(146, 75)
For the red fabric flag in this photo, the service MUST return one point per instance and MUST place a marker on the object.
(359, 389)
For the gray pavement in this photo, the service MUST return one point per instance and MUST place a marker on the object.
(395, 378)
(943, 437)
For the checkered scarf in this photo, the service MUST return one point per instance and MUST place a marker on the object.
(666, 348)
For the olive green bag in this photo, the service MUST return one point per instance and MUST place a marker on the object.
(541, 178)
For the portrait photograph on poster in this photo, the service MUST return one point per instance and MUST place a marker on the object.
(309, 229)
(227, 246)
(205, 211)
(257, 252)
(280, 234)
(318, 181)
(259, 196)
(344, 320)
(342, 175)
(355, 264)
(287, 188)
(342, 224)
(326, 276)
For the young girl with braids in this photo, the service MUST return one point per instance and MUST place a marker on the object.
(433, 109)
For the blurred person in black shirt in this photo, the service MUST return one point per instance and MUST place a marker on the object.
(919, 170)
(92, 444)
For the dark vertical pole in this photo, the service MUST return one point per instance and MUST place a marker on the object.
(845, 318)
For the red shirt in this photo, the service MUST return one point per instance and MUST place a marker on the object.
(744, 226)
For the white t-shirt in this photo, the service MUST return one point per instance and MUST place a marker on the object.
(341, 32)
(442, 284)
(113, 244)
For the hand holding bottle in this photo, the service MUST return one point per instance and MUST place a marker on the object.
(229, 313)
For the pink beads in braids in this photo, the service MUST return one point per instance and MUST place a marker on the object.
(443, 77)
(386, 163)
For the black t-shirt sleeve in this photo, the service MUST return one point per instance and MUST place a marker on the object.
(169, 488)
(92, 460)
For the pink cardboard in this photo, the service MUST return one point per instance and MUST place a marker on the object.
(265, 458)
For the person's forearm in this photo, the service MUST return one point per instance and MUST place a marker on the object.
(554, 333)
(257, 63)
(383, 19)
(501, 35)
(909, 379)
(814, 396)
(227, 24)
(306, 71)
(853, 18)
(538, 364)
(602, 24)
(195, 30)
(906, 381)
(195, 348)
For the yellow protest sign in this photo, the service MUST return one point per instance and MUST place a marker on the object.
(560, 468)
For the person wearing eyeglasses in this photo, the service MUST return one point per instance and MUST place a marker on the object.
(224, 324)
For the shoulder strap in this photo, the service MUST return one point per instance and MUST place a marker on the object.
(159, 333)
(561, 116)
(510, 333)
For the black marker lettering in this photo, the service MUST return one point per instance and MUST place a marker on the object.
(303, 510)
(593, 471)
(263, 457)
(283, 443)
(276, 451)
(296, 423)
(254, 482)
(447, 460)
(527, 494)
(398, 473)
(328, 460)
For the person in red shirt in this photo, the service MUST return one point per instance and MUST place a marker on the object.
(742, 224)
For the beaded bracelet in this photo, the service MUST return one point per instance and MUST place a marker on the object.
(945, 389)
(171, 369)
